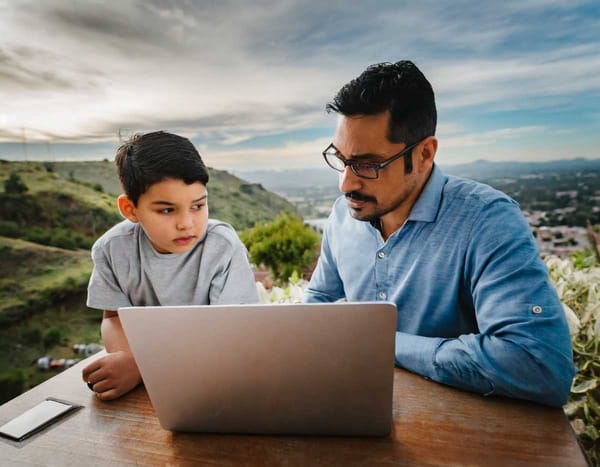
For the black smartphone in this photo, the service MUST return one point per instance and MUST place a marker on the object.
(37, 418)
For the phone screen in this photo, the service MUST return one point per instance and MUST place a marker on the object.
(36, 418)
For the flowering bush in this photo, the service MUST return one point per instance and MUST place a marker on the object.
(578, 287)
(291, 294)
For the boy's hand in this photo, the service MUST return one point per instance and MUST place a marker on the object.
(113, 375)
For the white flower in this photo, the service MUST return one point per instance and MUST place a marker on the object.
(292, 293)
(263, 295)
(572, 320)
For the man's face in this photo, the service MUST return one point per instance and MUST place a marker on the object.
(174, 215)
(391, 196)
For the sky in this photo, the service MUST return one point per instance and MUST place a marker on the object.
(247, 81)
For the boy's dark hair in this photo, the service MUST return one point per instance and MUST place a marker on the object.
(149, 158)
(400, 88)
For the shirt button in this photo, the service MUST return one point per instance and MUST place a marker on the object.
(537, 309)
(382, 295)
(381, 254)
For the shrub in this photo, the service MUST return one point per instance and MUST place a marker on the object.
(577, 281)
(10, 229)
(54, 336)
(32, 336)
(284, 245)
(5, 249)
(14, 184)
(12, 384)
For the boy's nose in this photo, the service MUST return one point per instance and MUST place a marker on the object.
(184, 221)
(349, 181)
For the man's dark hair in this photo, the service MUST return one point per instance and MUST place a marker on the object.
(149, 158)
(399, 88)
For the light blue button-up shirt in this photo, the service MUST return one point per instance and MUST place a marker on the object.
(475, 307)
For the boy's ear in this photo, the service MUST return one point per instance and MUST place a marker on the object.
(127, 208)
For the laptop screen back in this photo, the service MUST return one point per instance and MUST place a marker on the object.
(278, 369)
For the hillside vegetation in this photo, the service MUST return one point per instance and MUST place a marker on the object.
(42, 310)
(230, 199)
(34, 276)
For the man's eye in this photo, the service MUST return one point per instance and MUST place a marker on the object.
(363, 165)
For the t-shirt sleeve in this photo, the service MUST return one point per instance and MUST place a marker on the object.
(104, 292)
(234, 282)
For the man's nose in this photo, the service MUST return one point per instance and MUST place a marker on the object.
(349, 181)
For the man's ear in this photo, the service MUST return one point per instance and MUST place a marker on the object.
(127, 208)
(428, 148)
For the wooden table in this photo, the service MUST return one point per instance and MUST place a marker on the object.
(433, 425)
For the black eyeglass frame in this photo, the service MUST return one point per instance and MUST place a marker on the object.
(374, 166)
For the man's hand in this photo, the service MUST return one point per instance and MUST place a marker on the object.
(113, 375)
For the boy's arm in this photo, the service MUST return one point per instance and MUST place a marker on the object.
(116, 373)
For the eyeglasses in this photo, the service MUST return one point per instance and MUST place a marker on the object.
(362, 169)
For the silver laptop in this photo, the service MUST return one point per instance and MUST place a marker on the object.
(315, 369)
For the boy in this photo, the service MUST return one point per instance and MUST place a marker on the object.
(166, 252)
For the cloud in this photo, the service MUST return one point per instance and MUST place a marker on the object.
(292, 155)
(229, 73)
(490, 138)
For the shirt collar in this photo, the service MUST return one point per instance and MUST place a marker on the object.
(428, 204)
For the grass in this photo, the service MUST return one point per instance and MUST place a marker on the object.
(42, 310)
(231, 199)
(24, 342)
(31, 273)
(39, 180)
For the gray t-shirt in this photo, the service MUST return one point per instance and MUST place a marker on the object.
(128, 271)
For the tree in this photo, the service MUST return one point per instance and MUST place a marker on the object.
(284, 245)
(14, 184)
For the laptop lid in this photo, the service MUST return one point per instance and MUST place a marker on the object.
(322, 369)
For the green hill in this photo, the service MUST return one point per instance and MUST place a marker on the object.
(231, 199)
(34, 276)
(70, 204)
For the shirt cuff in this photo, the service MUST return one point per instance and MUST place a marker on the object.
(417, 353)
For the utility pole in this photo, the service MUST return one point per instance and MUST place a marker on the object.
(24, 144)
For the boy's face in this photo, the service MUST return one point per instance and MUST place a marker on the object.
(174, 215)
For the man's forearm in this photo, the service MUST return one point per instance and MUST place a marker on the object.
(487, 365)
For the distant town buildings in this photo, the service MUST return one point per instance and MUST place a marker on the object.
(558, 240)
(316, 224)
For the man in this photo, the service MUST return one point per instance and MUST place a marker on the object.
(475, 308)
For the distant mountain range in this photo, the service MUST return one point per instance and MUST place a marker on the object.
(290, 180)
(483, 169)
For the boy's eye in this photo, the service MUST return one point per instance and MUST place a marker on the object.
(197, 207)
(165, 211)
